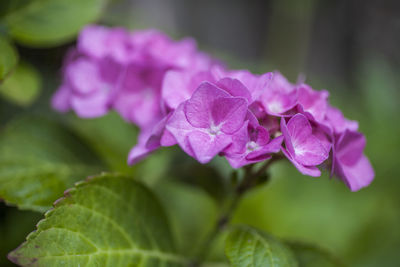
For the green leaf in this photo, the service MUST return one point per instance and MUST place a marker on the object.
(43, 23)
(8, 58)
(185, 202)
(23, 85)
(14, 227)
(108, 220)
(313, 256)
(248, 247)
(39, 159)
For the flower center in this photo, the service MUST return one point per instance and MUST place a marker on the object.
(214, 129)
(251, 146)
(275, 106)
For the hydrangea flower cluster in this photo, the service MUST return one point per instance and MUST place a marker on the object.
(178, 95)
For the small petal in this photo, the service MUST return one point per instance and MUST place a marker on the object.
(206, 147)
(61, 99)
(197, 109)
(306, 170)
(229, 112)
(235, 88)
(359, 175)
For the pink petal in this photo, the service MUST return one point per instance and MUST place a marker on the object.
(350, 147)
(235, 88)
(197, 109)
(83, 76)
(205, 147)
(61, 99)
(180, 128)
(306, 170)
(229, 112)
(358, 175)
(91, 106)
(314, 102)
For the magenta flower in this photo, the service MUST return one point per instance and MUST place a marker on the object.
(279, 97)
(251, 144)
(304, 148)
(335, 120)
(115, 69)
(179, 85)
(312, 103)
(204, 125)
(100, 42)
(349, 163)
(151, 139)
(178, 95)
(85, 90)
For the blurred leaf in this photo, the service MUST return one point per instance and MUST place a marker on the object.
(247, 246)
(8, 58)
(185, 201)
(206, 177)
(109, 220)
(14, 226)
(313, 256)
(39, 159)
(324, 211)
(110, 136)
(8, 6)
(23, 85)
(51, 22)
(215, 264)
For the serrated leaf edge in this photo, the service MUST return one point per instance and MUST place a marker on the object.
(67, 193)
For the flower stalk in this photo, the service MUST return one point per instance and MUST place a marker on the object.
(250, 180)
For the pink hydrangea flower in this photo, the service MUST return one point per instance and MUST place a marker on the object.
(337, 123)
(312, 103)
(279, 97)
(349, 163)
(303, 147)
(251, 144)
(203, 126)
(179, 85)
(178, 95)
(85, 89)
(115, 69)
(151, 139)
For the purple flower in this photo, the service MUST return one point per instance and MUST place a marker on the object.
(203, 126)
(337, 123)
(304, 148)
(150, 140)
(179, 85)
(85, 90)
(279, 97)
(256, 84)
(100, 42)
(251, 144)
(312, 103)
(115, 69)
(178, 95)
(349, 163)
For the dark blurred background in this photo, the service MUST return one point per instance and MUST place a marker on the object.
(349, 47)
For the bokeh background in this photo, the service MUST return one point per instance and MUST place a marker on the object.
(349, 47)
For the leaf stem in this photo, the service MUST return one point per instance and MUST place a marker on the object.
(248, 182)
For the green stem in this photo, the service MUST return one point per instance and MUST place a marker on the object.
(248, 182)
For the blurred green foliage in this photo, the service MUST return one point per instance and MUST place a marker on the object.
(39, 159)
(8, 58)
(44, 23)
(23, 85)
